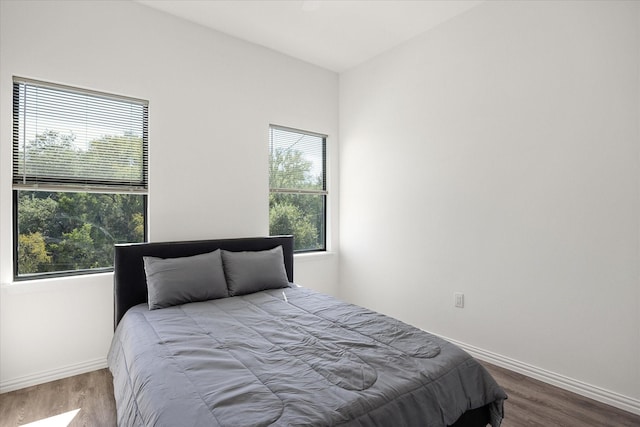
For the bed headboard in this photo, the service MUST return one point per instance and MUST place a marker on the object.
(129, 279)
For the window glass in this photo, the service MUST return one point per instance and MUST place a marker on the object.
(297, 182)
(73, 232)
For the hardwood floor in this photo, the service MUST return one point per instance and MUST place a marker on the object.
(92, 393)
(530, 403)
(534, 403)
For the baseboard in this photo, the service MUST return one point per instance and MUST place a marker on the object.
(612, 398)
(52, 375)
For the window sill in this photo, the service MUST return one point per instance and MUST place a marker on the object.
(54, 284)
(313, 256)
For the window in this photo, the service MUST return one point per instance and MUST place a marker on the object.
(79, 178)
(297, 185)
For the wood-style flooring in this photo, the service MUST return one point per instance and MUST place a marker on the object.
(92, 393)
(534, 403)
(530, 403)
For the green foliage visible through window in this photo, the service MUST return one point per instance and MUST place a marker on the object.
(297, 199)
(79, 177)
(66, 231)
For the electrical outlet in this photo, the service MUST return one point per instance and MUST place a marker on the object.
(458, 299)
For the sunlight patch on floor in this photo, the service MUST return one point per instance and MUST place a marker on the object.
(61, 420)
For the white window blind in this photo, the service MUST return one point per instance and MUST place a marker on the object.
(78, 140)
(297, 161)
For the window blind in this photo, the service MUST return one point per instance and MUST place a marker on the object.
(297, 161)
(73, 139)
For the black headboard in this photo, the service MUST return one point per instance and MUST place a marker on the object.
(129, 280)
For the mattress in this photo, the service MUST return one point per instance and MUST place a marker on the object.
(289, 357)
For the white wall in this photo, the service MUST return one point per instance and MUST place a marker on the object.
(498, 155)
(211, 100)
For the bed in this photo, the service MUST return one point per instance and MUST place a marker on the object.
(268, 352)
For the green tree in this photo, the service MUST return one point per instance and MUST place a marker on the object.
(32, 253)
(290, 170)
(49, 154)
(76, 250)
(287, 218)
(137, 227)
(36, 212)
(127, 149)
(289, 213)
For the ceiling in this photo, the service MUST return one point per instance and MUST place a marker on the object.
(333, 34)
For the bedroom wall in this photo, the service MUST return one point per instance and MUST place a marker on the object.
(211, 100)
(498, 155)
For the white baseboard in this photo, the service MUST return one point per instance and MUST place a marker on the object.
(52, 375)
(612, 398)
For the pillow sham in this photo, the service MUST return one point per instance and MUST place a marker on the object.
(174, 281)
(253, 271)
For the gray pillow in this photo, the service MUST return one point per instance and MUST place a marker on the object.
(174, 281)
(254, 271)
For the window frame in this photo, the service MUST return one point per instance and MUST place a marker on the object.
(63, 185)
(324, 193)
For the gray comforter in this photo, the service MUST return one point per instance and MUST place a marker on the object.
(307, 359)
